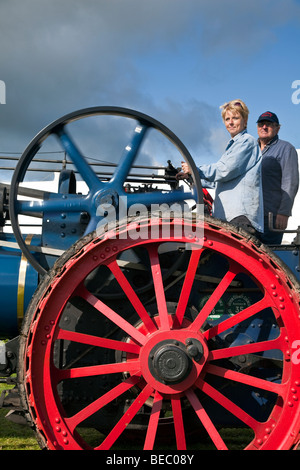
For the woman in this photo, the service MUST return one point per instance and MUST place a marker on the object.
(237, 175)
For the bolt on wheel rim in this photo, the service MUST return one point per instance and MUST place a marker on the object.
(162, 363)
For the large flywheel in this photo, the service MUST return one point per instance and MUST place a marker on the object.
(212, 348)
(114, 159)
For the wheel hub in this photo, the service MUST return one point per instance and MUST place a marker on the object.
(170, 361)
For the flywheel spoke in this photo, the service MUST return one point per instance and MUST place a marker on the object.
(129, 156)
(85, 170)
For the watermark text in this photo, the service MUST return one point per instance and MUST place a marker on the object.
(296, 352)
(2, 92)
(189, 225)
(2, 353)
(296, 93)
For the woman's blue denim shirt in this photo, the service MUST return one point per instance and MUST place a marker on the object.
(238, 181)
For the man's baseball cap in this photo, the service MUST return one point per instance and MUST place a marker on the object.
(268, 116)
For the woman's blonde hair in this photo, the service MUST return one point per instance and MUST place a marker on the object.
(235, 106)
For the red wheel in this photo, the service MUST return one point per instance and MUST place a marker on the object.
(213, 348)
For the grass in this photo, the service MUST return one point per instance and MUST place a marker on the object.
(21, 437)
(15, 436)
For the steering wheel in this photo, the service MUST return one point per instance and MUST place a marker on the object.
(99, 192)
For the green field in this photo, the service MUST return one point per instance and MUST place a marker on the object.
(21, 437)
(15, 436)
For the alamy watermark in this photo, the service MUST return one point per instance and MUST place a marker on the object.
(189, 224)
(2, 92)
(2, 353)
(296, 93)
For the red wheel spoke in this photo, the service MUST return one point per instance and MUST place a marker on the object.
(245, 349)
(135, 301)
(237, 318)
(98, 342)
(228, 405)
(178, 424)
(111, 315)
(187, 285)
(126, 418)
(89, 371)
(246, 379)
(96, 405)
(159, 287)
(205, 420)
(153, 421)
(215, 297)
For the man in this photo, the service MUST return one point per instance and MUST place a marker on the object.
(280, 176)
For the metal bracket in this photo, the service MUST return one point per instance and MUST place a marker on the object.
(273, 229)
(8, 357)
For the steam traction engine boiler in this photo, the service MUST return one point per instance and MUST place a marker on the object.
(145, 333)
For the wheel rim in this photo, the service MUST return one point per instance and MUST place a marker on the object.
(170, 361)
(100, 192)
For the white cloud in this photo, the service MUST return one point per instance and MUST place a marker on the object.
(60, 56)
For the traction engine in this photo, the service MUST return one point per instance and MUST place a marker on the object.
(131, 317)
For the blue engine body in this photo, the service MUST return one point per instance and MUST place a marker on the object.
(19, 281)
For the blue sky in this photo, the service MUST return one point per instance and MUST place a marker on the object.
(176, 60)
